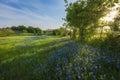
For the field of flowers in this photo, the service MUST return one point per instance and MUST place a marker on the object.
(55, 58)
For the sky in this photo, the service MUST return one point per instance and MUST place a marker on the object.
(45, 14)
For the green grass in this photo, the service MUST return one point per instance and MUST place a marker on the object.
(14, 50)
(54, 58)
(11, 47)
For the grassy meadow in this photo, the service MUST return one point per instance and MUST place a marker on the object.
(54, 58)
(59, 39)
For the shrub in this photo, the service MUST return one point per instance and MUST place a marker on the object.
(112, 43)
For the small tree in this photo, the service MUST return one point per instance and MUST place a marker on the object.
(25, 31)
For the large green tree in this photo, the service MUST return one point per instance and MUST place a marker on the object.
(83, 13)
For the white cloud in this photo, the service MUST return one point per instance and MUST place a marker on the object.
(12, 16)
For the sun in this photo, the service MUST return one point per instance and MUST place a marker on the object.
(110, 17)
(112, 14)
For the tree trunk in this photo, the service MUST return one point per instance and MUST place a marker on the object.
(74, 33)
(81, 34)
(101, 40)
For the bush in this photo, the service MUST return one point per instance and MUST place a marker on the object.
(6, 32)
(112, 43)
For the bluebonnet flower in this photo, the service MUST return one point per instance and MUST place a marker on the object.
(33, 70)
(85, 69)
(58, 59)
(76, 60)
(112, 78)
(99, 66)
(58, 68)
(95, 67)
(93, 61)
(40, 66)
(87, 59)
(49, 78)
(68, 77)
(108, 61)
(79, 78)
(118, 65)
(82, 75)
(77, 71)
(104, 76)
(93, 76)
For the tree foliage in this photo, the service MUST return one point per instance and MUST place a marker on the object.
(28, 29)
(19, 30)
(83, 13)
(86, 16)
(6, 32)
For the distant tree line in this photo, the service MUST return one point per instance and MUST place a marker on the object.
(29, 29)
(62, 31)
(6, 32)
(22, 30)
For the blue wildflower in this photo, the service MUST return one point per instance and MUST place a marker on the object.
(112, 78)
(68, 77)
(117, 65)
(104, 76)
(93, 76)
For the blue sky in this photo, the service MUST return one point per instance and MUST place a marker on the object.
(46, 14)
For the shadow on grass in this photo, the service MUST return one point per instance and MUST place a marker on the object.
(18, 65)
(60, 60)
(27, 46)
